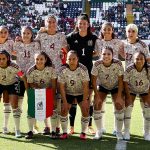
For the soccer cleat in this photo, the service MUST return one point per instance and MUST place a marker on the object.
(103, 130)
(114, 133)
(57, 132)
(53, 135)
(91, 130)
(18, 134)
(5, 130)
(126, 136)
(46, 131)
(119, 136)
(147, 137)
(83, 136)
(98, 135)
(29, 135)
(64, 136)
(71, 130)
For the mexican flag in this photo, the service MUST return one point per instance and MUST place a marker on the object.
(40, 103)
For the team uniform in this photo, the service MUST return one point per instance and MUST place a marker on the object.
(108, 83)
(9, 83)
(115, 44)
(52, 45)
(84, 46)
(43, 79)
(138, 83)
(131, 49)
(8, 46)
(73, 81)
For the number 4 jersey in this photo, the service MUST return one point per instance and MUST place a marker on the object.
(138, 81)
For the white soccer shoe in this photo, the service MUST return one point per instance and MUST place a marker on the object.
(103, 130)
(119, 136)
(98, 135)
(126, 136)
(147, 137)
(18, 134)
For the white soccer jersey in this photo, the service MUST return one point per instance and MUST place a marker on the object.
(73, 80)
(8, 75)
(108, 76)
(25, 54)
(52, 45)
(131, 49)
(41, 77)
(8, 46)
(115, 44)
(138, 81)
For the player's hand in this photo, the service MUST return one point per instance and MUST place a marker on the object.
(42, 30)
(119, 103)
(97, 101)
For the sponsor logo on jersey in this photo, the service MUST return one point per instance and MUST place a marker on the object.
(90, 43)
(75, 41)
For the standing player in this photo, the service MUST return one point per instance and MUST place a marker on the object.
(83, 42)
(24, 50)
(52, 43)
(137, 81)
(73, 81)
(9, 83)
(41, 75)
(6, 44)
(107, 38)
(132, 45)
(109, 72)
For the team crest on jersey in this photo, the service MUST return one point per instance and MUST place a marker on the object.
(90, 42)
(75, 41)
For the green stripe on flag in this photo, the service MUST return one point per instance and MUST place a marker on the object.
(31, 103)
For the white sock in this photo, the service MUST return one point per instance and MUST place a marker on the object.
(98, 119)
(64, 123)
(58, 111)
(147, 120)
(16, 116)
(54, 121)
(31, 121)
(119, 115)
(84, 124)
(103, 114)
(127, 118)
(7, 111)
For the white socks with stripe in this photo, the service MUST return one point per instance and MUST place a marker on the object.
(84, 124)
(16, 116)
(146, 120)
(127, 118)
(54, 121)
(64, 123)
(98, 119)
(7, 111)
(119, 115)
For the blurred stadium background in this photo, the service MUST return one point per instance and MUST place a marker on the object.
(17, 13)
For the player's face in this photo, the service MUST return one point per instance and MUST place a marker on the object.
(107, 57)
(131, 34)
(51, 24)
(139, 60)
(83, 25)
(107, 31)
(3, 61)
(3, 34)
(26, 35)
(40, 61)
(72, 61)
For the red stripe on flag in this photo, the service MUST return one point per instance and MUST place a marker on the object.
(49, 102)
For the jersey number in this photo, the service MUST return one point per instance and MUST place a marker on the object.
(52, 46)
(139, 83)
(26, 54)
(83, 52)
(107, 76)
(72, 82)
